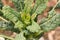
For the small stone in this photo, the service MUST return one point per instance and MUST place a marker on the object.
(1, 38)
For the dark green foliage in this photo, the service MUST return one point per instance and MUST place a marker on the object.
(5, 25)
(39, 6)
(10, 13)
(24, 19)
(1, 5)
(58, 6)
(52, 22)
(13, 16)
(19, 4)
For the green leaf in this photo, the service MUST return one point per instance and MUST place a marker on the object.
(58, 6)
(43, 20)
(5, 25)
(19, 4)
(34, 27)
(19, 25)
(20, 36)
(13, 16)
(10, 14)
(52, 23)
(33, 16)
(51, 13)
(28, 5)
(39, 6)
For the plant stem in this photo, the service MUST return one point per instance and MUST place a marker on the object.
(3, 19)
(6, 37)
(56, 5)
